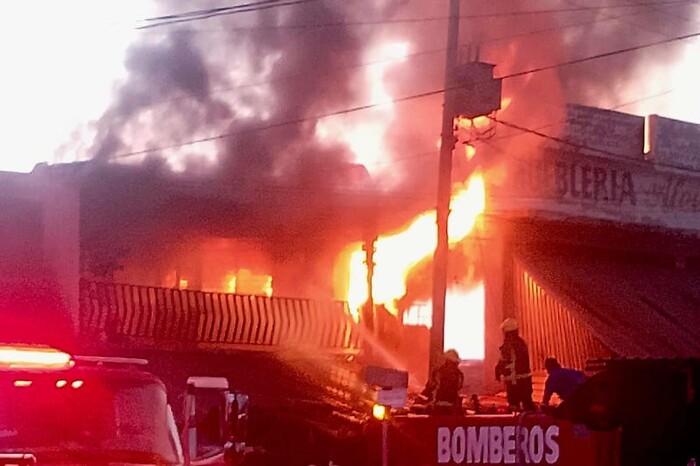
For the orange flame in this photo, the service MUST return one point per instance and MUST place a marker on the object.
(469, 151)
(464, 321)
(396, 254)
(505, 102)
(481, 122)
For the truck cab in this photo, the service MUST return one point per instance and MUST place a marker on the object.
(57, 408)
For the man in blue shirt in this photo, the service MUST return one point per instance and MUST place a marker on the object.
(561, 381)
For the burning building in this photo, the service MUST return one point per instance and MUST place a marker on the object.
(264, 157)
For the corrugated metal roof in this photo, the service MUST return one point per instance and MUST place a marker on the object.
(634, 309)
(550, 327)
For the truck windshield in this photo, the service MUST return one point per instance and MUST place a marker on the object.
(89, 417)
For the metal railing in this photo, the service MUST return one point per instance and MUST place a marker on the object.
(152, 316)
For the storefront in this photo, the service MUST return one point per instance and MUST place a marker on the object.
(597, 243)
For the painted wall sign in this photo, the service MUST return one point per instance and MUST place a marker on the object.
(564, 182)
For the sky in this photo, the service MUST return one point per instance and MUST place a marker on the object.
(67, 68)
(61, 62)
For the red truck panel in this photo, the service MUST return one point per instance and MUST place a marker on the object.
(499, 440)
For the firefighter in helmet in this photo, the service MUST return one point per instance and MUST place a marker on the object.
(514, 368)
(442, 390)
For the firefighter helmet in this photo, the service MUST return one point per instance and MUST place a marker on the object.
(452, 355)
(510, 325)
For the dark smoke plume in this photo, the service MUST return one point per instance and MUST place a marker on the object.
(170, 79)
(196, 80)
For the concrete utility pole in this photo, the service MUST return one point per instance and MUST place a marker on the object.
(437, 333)
(369, 248)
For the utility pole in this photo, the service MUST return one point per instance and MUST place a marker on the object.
(444, 191)
(369, 248)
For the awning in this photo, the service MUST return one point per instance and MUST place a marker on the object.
(634, 309)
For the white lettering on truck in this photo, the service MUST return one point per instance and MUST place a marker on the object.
(498, 444)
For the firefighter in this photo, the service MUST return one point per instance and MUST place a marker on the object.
(442, 389)
(514, 368)
(561, 381)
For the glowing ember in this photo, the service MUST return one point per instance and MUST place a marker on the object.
(481, 122)
(464, 123)
(231, 285)
(267, 289)
(245, 281)
(469, 151)
(396, 254)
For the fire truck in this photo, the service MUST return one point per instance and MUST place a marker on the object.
(58, 408)
(631, 412)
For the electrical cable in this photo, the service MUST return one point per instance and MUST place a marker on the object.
(195, 13)
(406, 98)
(576, 145)
(615, 107)
(252, 7)
(206, 14)
(396, 60)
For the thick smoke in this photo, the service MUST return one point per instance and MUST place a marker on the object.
(270, 180)
(168, 84)
(245, 76)
(193, 81)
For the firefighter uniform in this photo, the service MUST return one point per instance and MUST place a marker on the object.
(514, 368)
(442, 389)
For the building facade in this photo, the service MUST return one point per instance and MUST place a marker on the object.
(597, 242)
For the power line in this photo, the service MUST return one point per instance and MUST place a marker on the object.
(206, 14)
(603, 55)
(196, 13)
(560, 28)
(406, 98)
(247, 8)
(587, 147)
(401, 59)
(550, 124)
(421, 195)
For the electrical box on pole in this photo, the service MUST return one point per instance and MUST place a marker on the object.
(471, 91)
(477, 92)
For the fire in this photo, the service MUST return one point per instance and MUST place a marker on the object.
(505, 103)
(366, 135)
(396, 254)
(464, 123)
(245, 281)
(469, 151)
(481, 122)
(464, 321)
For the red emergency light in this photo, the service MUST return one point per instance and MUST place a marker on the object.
(25, 357)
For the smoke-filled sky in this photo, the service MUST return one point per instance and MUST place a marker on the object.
(79, 81)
